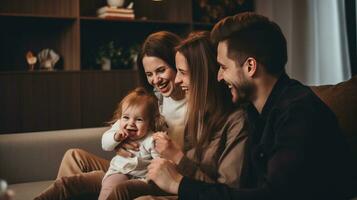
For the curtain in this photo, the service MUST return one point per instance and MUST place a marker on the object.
(316, 35)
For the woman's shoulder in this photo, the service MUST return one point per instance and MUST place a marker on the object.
(172, 102)
(236, 122)
(237, 114)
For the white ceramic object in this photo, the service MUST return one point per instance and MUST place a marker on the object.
(47, 59)
(115, 3)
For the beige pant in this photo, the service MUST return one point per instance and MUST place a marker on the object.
(80, 175)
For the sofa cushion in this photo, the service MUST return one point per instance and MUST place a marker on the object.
(29, 190)
(36, 156)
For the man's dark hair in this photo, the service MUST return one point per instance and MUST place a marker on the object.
(252, 35)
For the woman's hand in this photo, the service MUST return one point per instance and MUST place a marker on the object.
(167, 148)
(163, 172)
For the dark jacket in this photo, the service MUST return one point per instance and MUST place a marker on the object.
(295, 151)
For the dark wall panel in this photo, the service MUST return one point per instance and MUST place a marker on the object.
(101, 92)
(42, 101)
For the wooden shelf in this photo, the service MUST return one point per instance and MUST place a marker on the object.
(135, 21)
(35, 16)
(77, 94)
(71, 28)
(55, 8)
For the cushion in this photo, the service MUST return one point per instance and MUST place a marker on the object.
(28, 190)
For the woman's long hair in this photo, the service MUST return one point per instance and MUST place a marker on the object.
(209, 102)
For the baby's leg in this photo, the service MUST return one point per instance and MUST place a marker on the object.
(134, 188)
(109, 183)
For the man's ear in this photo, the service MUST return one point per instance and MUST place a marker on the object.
(251, 66)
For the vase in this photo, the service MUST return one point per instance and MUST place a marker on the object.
(115, 3)
(106, 64)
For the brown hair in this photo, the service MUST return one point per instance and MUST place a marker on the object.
(140, 96)
(209, 102)
(252, 35)
(161, 45)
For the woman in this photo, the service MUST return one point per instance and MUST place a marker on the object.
(215, 133)
(80, 172)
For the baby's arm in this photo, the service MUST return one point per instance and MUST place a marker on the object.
(112, 137)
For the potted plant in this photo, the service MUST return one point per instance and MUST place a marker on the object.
(112, 56)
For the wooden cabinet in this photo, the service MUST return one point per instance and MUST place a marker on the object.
(77, 94)
(74, 95)
(33, 25)
(72, 29)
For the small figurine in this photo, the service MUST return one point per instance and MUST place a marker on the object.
(48, 59)
(31, 60)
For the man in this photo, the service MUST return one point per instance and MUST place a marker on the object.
(295, 149)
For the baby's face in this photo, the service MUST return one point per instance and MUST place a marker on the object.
(134, 121)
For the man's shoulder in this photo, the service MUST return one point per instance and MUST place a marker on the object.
(298, 100)
(297, 94)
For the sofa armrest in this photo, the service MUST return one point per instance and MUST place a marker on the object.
(36, 156)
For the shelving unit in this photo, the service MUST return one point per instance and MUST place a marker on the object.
(33, 25)
(71, 28)
(77, 94)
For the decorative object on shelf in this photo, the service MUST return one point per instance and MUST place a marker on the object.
(211, 11)
(112, 56)
(113, 12)
(48, 59)
(31, 60)
(115, 3)
(106, 63)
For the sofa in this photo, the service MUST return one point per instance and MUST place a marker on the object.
(30, 161)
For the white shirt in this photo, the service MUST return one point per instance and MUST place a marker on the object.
(175, 116)
(135, 166)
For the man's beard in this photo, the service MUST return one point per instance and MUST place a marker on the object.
(245, 91)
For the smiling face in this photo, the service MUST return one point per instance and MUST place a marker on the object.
(234, 75)
(134, 121)
(159, 75)
(183, 72)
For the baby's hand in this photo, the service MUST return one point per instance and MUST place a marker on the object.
(120, 135)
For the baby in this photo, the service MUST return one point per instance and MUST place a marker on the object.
(136, 118)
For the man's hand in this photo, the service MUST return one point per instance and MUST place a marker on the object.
(167, 148)
(163, 172)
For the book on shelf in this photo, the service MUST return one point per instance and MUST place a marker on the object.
(116, 16)
(115, 13)
(107, 9)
